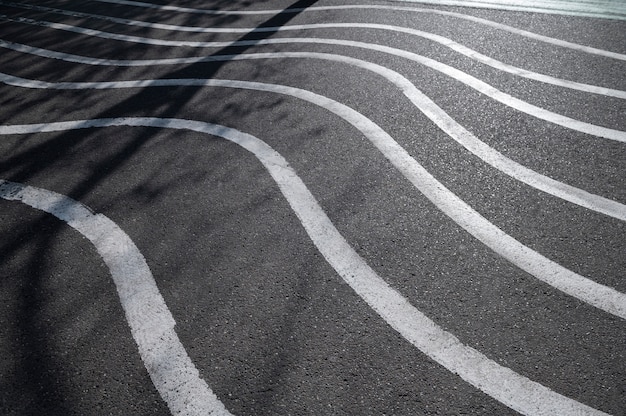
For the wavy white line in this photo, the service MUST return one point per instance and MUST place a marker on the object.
(489, 155)
(544, 269)
(486, 22)
(604, 10)
(449, 43)
(613, 13)
(470, 81)
(410, 322)
(152, 325)
(515, 391)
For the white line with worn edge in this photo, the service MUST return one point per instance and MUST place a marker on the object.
(152, 325)
(532, 262)
(446, 123)
(470, 81)
(515, 391)
(449, 43)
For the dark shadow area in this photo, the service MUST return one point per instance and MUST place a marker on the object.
(35, 365)
(38, 365)
(144, 101)
(61, 311)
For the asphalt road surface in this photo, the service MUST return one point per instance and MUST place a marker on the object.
(319, 207)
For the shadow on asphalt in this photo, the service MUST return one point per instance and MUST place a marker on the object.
(39, 236)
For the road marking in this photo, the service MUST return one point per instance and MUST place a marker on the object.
(446, 123)
(152, 325)
(598, 9)
(500, 26)
(470, 81)
(532, 262)
(606, 9)
(449, 43)
(515, 391)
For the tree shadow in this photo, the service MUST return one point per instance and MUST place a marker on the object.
(39, 158)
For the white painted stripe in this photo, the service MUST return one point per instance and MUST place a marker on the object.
(489, 155)
(470, 81)
(449, 43)
(604, 10)
(535, 36)
(513, 390)
(500, 26)
(544, 269)
(209, 11)
(150, 321)
(607, 10)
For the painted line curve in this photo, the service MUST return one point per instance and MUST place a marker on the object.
(462, 16)
(152, 325)
(468, 80)
(532, 262)
(610, 8)
(449, 43)
(438, 116)
(515, 391)
(599, 10)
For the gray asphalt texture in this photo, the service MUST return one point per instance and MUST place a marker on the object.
(269, 324)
